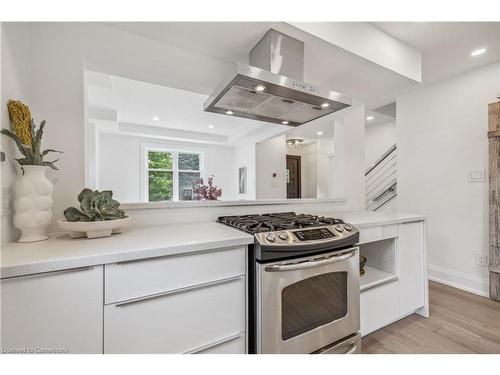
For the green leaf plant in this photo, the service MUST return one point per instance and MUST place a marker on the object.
(95, 206)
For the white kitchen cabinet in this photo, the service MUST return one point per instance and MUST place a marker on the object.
(177, 321)
(378, 233)
(59, 312)
(231, 345)
(394, 284)
(144, 277)
(379, 306)
(411, 267)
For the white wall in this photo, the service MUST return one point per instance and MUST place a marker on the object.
(120, 165)
(270, 158)
(16, 84)
(244, 156)
(349, 158)
(325, 167)
(308, 168)
(441, 133)
(378, 139)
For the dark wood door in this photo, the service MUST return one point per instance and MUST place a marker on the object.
(293, 188)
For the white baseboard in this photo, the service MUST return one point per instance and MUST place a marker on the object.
(460, 280)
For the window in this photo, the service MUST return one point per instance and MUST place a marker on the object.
(170, 175)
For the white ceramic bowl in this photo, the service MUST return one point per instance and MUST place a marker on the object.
(94, 229)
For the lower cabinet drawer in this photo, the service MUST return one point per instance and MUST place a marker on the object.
(377, 233)
(176, 322)
(129, 280)
(234, 345)
(379, 307)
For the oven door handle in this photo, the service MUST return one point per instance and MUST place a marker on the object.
(310, 263)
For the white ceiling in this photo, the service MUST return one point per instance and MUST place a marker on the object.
(446, 46)
(324, 64)
(227, 41)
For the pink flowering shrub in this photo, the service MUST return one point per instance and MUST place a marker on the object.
(208, 192)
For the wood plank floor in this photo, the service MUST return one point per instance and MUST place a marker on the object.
(459, 322)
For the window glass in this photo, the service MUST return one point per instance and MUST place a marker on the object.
(189, 162)
(159, 160)
(160, 186)
(186, 182)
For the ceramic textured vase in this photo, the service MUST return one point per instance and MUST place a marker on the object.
(33, 203)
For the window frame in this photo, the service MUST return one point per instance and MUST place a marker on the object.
(175, 169)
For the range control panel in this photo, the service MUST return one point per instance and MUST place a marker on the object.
(309, 236)
(313, 234)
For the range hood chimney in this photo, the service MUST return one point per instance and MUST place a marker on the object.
(272, 89)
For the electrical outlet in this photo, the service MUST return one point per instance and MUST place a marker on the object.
(482, 260)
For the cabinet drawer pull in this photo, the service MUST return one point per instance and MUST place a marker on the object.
(77, 269)
(215, 344)
(177, 291)
(124, 262)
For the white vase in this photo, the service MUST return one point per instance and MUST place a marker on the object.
(33, 203)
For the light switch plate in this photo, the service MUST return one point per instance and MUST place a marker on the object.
(482, 260)
(477, 175)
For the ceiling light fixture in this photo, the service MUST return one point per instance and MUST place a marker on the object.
(229, 112)
(210, 126)
(478, 52)
(285, 122)
(319, 133)
(325, 105)
(156, 118)
(369, 118)
(260, 88)
(292, 142)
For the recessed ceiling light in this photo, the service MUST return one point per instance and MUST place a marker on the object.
(369, 118)
(325, 105)
(210, 126)
(229, 112)
(260, 88)
(478, 52)
(319, 133)
(285, 122)
(156, 118)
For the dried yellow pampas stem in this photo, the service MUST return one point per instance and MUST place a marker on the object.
(20, 116)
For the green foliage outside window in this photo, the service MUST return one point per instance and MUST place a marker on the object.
(160, 186)
(161, 175)
(159, 160)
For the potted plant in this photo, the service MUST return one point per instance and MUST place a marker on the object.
(32, 190)
(207, 191)
(99, 215)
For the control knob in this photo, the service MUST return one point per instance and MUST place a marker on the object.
(270, 237)
(348, 227)
(339, 228)
(283, 236)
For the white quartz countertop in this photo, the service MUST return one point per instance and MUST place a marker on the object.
(365, 219)
(62, 252)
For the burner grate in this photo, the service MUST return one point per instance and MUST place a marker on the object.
(256, 223)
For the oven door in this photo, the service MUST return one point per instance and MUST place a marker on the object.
(306, 304)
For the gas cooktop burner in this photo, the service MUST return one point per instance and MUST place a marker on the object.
(277, 221)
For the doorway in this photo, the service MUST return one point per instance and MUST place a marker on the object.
(293, 185)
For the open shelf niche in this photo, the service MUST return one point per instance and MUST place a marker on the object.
(380, 265)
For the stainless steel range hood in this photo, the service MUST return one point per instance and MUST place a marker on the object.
(271, 88)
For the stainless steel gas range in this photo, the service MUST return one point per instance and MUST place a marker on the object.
(303, 273)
